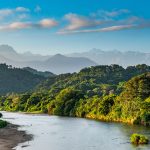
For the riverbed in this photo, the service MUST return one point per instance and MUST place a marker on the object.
(64, 133)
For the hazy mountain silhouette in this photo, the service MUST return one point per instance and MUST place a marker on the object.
(56, 64)
(9, 53)
(60, 63)
(115, 57)
(72, 62)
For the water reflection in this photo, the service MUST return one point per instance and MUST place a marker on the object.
(62, 133)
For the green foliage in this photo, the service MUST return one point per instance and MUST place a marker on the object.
(65, 102)
(138, 139)
(134, 101)
(40, 73)
(15, 80)
(109, 93)
(3, 124)
(106, 104)
(106, 79)
(145, 118)
(138, 87)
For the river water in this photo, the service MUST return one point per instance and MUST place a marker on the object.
(63, 133)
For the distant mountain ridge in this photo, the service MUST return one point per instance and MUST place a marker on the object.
(72, 62)
(57, 64)
(124, 59)
(9, 53)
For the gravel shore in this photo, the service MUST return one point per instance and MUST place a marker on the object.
(10, 137)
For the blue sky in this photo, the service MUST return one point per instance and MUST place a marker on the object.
(66, 26)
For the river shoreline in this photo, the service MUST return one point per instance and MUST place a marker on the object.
(10, 137)
(90, 117)
(56, 133)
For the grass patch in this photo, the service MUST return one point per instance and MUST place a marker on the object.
(138, 139)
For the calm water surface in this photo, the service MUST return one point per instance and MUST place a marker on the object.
(62, 133)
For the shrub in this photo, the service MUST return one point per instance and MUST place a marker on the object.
(139, 139)
(145, 118)
(1, 115)
(3, 124)
(106, 104)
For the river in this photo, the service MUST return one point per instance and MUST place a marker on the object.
(63, 133)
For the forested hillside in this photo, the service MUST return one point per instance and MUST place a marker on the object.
(109, 93)
(40, 73)
(17, 80)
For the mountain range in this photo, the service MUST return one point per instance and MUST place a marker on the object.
(72, 62)
(127, 58)
(57, 64)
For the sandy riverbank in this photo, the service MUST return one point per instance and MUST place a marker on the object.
(10, 137)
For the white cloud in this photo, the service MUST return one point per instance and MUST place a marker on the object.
(110, 14)
(15, 26)
(77, 22)
(106, 29)
(116, 28)
(103, 21)
(45, 23)
(21, 9)
(10, 12)
(109, 28)
(5, 12)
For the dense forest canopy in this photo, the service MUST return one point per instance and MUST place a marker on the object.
(109, 93)
(103, 79)
(17, 80)
(40, 73)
